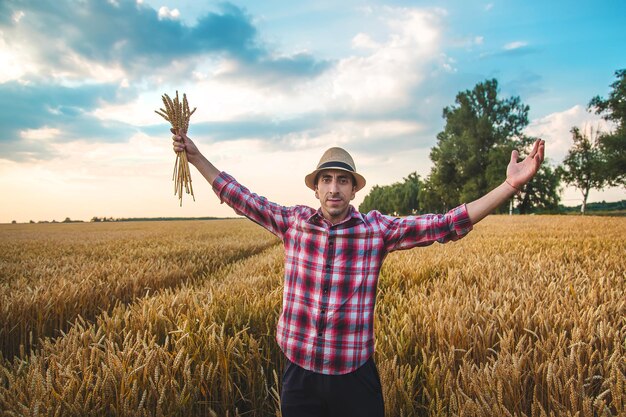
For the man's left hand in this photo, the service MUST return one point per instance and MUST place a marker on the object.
(519, 173)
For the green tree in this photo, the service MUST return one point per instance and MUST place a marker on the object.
(407, 194)
(542, 193)
(430, 199)
(376, 199)
(400, 198)
(613, 144)
(473, 150)
(582, 167)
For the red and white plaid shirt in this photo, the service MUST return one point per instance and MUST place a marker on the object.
(331, 272)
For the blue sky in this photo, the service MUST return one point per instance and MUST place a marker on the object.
(275, 84)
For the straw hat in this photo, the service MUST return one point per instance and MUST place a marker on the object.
(335, 158)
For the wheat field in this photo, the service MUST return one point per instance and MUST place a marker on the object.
(526, 316)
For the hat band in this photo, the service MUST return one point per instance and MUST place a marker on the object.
(336, 164)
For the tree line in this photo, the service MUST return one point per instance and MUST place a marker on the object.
(474, 148)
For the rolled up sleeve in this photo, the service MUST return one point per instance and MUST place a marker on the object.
(424, 230)
(260, 210)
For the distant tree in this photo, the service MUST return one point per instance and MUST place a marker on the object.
(31, 221)
(473, 150)
(377, 199)
(430, 199)
(13, 222)
(67, 220)
(583, 165)
(613, 144)
(406, 195)
(400, 199)
(542, 193)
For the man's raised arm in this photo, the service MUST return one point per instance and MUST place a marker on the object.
(206, 168)
(517, 174)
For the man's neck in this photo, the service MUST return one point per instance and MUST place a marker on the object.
(337, 219)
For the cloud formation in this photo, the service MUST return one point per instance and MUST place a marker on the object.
(64, 59)
(380, 82)
(555, 129)
(38, 107)
(372, 97)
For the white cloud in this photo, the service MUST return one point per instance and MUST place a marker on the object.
(363, 40)
(166, 13)
(555, 129)
(15, 61)
(488, 6)
(515, 45)
(41, 134)
(384, 78)
(17, 16)
(87, 71)
(19, 61)
(381, 76)
(447, 63)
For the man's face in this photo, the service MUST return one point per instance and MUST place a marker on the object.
(335, 189)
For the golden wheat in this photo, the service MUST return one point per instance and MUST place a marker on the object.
(178, 114)
(526, 316)
(50, 274)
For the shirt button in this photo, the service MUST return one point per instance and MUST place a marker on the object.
(325, 290)
(319, 334)
(323, 311)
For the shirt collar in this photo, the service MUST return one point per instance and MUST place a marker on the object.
(318, 216)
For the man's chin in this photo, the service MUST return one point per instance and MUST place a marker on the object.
(337, 211)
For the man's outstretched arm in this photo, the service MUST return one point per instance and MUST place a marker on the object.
(273, 217)
(517, 174)
(206, 168)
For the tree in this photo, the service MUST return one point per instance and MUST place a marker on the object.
(377, 199)
(542, 193)
(583, 164)
(430, 200)
(400, 198)
(613, 145)
(473, 150)
(406, 195)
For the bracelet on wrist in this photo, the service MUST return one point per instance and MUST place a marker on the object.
(517, 190)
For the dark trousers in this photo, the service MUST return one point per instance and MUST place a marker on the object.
(307, 393)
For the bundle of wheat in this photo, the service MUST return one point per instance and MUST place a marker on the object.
(178, 114)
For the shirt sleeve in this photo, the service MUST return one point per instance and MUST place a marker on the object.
(260, 210)
(412, 231)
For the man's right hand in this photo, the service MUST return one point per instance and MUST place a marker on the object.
(181, 142)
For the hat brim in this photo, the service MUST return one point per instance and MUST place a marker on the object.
(309, 180)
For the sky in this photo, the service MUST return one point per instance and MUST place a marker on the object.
(275, 83)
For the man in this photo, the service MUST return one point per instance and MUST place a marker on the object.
(333, 258)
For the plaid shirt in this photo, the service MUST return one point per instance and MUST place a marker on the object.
(331, 272)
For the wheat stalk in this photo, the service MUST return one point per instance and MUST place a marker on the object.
(178, 114)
